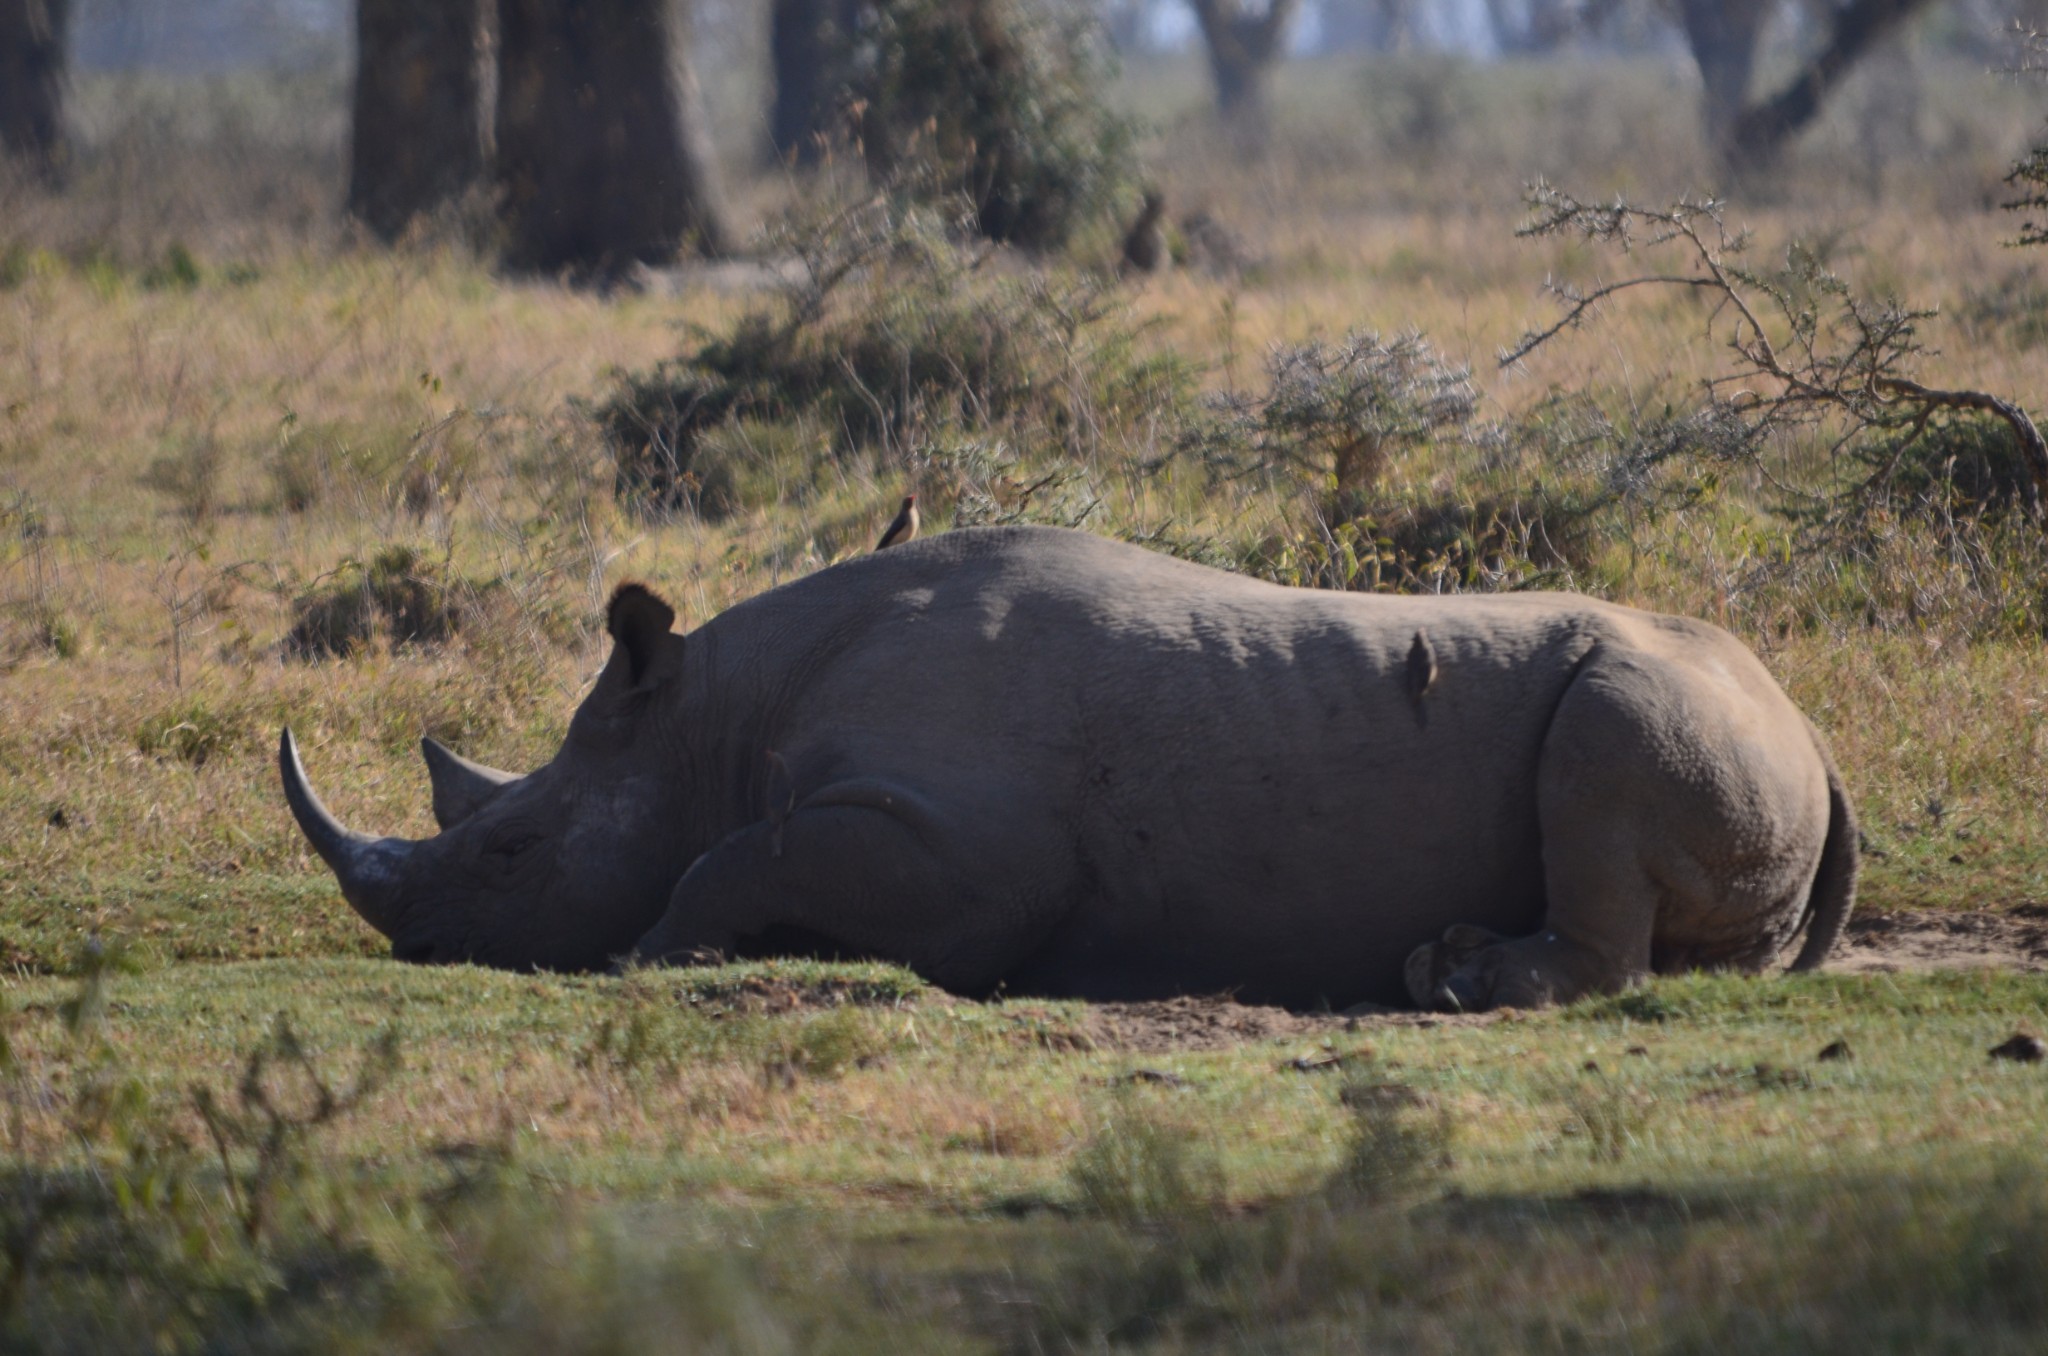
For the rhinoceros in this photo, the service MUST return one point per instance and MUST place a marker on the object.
(1038, 761)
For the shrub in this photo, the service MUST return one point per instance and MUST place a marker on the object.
(422, 466)
(1954, 469)
(118, 1234)
(176, 271)
(399, 596)
(1435, 544)
(193, 730)
(50, 630)
(190, 474)
(37, 622)
(2029, 177)
(897, 342)
(283, 1097)
(1811, 356)
(653, 423)
(1001, 100)
(1416, 103)
(312, 460)
(1402, 492)
(1336, 415)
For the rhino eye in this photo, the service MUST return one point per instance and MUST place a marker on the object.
(510, 845)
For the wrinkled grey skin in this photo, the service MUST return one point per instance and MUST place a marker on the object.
(1040, 760)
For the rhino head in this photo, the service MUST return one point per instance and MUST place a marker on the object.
(563, 868)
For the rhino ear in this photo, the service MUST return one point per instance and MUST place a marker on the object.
(639, 622)
(461, 787)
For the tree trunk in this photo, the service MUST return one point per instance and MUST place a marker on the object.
(1723, 36)
(604, 147)
(1533, 28)
(32, 34)
(1762, 131)
(421, 135)
(808, 44)
(1244, 86)
(1244, 46)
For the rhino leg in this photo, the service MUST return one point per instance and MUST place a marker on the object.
(1682, 809)
(1598, 941)
(870, 870)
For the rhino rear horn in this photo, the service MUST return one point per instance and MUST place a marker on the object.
(368, 869)
(461, 787)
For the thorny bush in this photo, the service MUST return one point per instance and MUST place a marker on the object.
(894, 338)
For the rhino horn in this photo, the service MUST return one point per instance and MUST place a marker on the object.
(461, 787)
(368, 869)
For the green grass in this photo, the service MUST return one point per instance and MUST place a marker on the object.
(522, 1176)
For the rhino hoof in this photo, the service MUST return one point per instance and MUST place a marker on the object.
(1459, 993)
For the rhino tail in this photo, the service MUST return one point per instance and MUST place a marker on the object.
(1834, 884)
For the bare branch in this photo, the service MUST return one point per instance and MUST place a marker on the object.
(1581, 304)
(1821, 352)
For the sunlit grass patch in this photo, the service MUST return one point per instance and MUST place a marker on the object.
(505, 1174)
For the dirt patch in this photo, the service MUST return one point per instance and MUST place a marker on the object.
(1220, 1022)
(1217, 1022)
(773, 988)
(1906, 940)
(1886, 943)
(1930, 939)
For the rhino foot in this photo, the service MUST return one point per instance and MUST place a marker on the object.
(1431, 967)
(1472, 970)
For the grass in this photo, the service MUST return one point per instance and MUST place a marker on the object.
(217, 418)
(1892, 1197)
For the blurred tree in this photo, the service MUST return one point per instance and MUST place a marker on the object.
(807, 43)
(997, 102)
(32, 34)
(604, 148)
(1531, 27)
(1245, 39)
(1859, 27)
(1724, 35)
(421, 129)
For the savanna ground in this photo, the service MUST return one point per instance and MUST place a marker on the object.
(254, 474)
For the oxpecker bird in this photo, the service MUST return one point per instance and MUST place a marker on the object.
(904, 526)
(1421, 674)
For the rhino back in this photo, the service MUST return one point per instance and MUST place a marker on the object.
(1223, 781)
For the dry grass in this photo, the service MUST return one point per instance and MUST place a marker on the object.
(140, 627)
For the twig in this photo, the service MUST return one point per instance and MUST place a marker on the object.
(1835, 355)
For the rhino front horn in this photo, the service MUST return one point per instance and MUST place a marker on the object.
(368, 869)
(461, 787)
